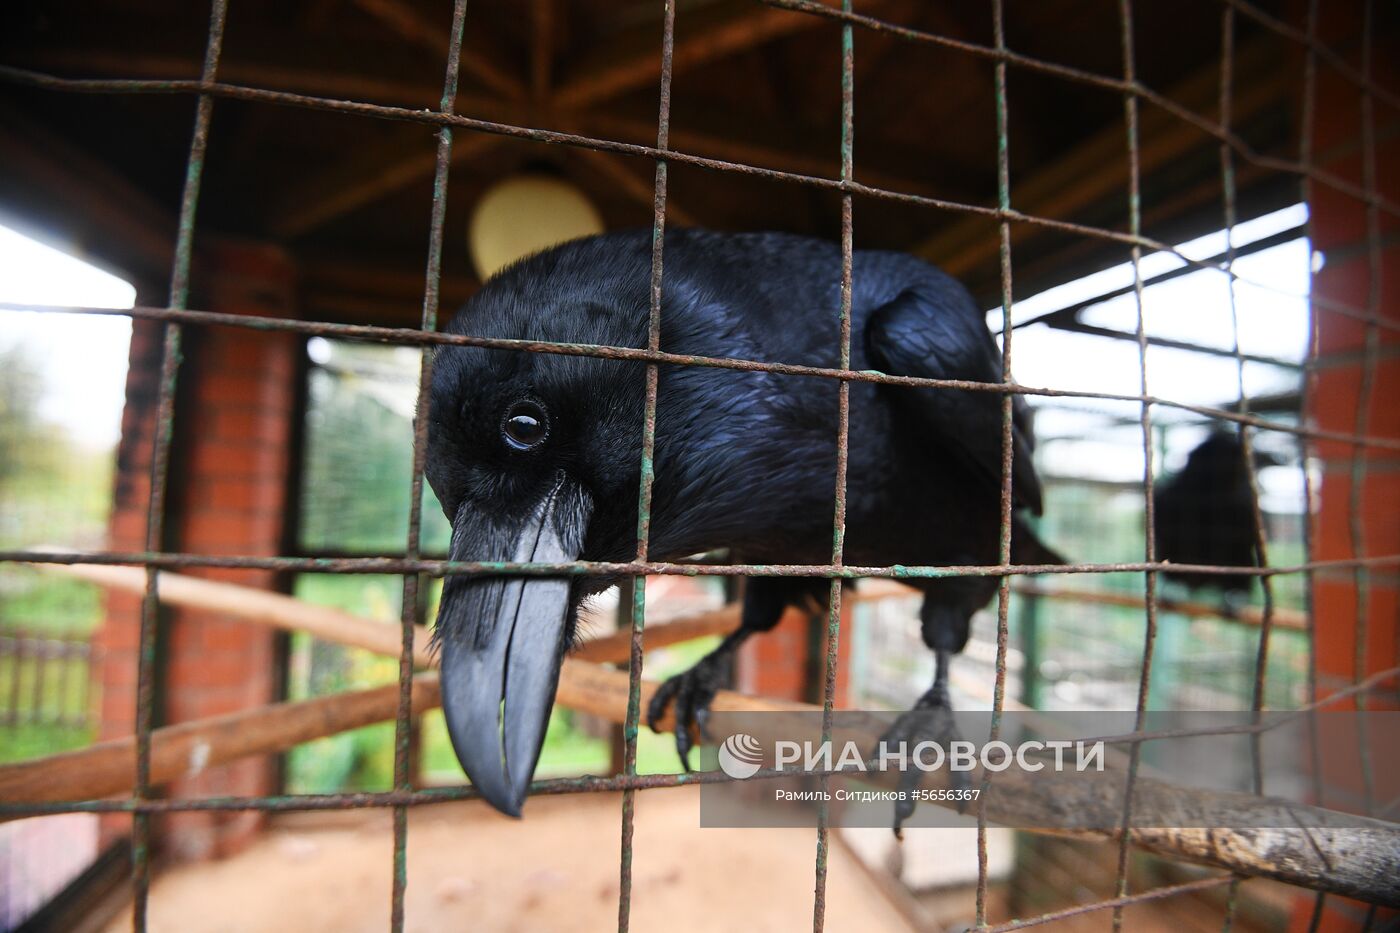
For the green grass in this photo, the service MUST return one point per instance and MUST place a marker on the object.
(52, 492)
(20, 743)
(33, 601)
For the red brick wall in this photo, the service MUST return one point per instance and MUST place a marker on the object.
(778, 663)
(1339, 223)
(228, 483)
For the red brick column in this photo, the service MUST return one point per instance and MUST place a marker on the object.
(1339, 224)
(779, 664)
(228, 483)
(116, 641)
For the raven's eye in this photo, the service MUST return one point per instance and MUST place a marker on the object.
(525, 425)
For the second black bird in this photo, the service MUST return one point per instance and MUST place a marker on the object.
(1204, 515)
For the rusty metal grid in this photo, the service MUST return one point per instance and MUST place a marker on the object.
(413, 567)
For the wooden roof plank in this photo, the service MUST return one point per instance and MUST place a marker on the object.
(410, 25)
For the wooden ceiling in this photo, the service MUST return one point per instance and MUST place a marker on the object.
(349, 197)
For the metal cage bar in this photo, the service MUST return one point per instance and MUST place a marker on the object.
(1130, 114)
(1227, 182)
(648, 472)
(843, 436)
(160, 467)
(398, 565)
(413, 567)
(1305, 155)
(409, 602)
(1007, 402)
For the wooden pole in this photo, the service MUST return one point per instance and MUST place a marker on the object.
(1247, 615)
(1352, 856)
(1347, 855)
(186, 749)
(294, 615)
(256, 605)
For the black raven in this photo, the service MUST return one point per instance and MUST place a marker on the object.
(1204, 515)
(537, 457)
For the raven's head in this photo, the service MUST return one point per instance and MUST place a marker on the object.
(534, 457)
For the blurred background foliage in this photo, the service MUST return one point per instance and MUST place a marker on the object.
(53, 491)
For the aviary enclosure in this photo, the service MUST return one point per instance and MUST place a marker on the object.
(1180, 217)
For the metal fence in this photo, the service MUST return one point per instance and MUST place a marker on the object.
(47, 676)
(143, 804)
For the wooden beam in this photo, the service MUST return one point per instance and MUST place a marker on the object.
(365, 177)
(614, 169)
(377, 171)
(541, 49)
(410, 25)
(1098, 168)
(634, 61)
(698, 142)
(369, 278)
(401, 159)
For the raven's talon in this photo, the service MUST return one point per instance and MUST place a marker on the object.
(656, 709)
(914, 727)
(690, 694)
(702, 722)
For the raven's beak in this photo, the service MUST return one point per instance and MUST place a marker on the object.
(503, 640)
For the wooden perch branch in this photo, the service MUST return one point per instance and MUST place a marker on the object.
(1338, 853)
(1196, 609)
(186, 749)
(1361, 860)
(294, 615)
(107, 768)
(254, 605)
(1246, 615)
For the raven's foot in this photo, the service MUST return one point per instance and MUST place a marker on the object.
(931, 720)
(691, 692)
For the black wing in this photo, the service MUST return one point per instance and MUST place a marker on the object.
(936, 338)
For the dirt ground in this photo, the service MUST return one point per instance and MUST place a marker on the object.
(470, 868)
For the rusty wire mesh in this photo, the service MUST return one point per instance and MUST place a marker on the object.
(414, 567)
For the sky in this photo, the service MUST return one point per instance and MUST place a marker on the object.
(84, 357)
(1078, 437)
